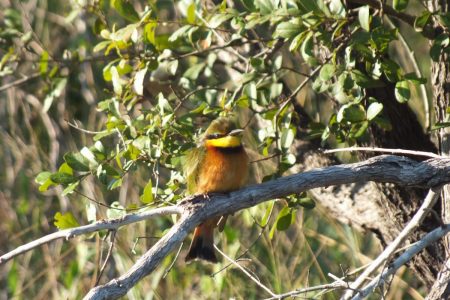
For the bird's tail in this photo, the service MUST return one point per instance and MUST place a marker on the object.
(202, 245)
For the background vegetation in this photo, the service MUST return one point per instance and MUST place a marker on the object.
(101, 99)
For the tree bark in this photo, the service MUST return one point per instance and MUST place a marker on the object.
(440, 80)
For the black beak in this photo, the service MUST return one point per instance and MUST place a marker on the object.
(236, 132)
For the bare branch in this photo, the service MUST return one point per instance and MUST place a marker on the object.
(113, 224)
(385, 150)
(385, 168)
(426, 206)
(427, 240)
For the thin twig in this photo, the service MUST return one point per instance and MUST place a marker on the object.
(173, 261)
(329, 287)
(19, 81)
(246, 273)
(263, 228)
(385, 150)
(108, 255)
(75, 125)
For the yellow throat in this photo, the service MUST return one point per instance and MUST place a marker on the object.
(228, 141)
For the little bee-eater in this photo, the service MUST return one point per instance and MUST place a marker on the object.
(219, 164)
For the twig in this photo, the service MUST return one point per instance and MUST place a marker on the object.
(173, 262)
(83, 130)
(263, 228)
(246, 273)
(108, 255)
(112, 224)
(427, 240)
(385, 150)
(329, 286)
(265, 158)
(19, 81)
(416, 220)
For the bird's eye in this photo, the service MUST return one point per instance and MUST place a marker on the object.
(214, 136)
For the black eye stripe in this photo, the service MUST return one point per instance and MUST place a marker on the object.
(214, 136)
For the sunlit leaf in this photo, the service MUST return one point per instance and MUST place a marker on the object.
(125, 9)
(65, 221)
(147, 195)
(402, 91)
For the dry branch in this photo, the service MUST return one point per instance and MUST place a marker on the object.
(399, 170)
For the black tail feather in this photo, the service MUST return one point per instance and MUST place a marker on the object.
(201, 250)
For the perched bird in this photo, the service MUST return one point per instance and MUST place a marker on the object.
(219, 164)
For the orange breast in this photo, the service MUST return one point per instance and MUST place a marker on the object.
(223, 170)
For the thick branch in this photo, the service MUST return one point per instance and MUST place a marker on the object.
(399, 170)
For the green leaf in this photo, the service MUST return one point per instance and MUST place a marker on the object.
(90, 157)
(42, 177)
(412, 77)
(306, 50)
(190, 14)
(147, 195)
(265, 218)
(307, 203)
(364, 17)
(63, 178)
(391, 70)
(65, 168)
(70, 188)
(327, 72)
(125, 9)
(297, 41)
(373, 110)
(44, 181)
(77, 162)
(421, 21)
(288, 29)
(400, 5)
(179, 33)
(402, 92)
(115, 183)
(218, 19)
(351, 113)
(440, 125)
(58, 87)
(116, 211)
(149, 32)
(287, 137)
(43, 64)
(138, 83)
(285, 218)
(364, 81)
(65, 221)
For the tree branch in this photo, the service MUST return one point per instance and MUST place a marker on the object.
(427, 240)
(426, 206)
(97, 226)
(384, 168)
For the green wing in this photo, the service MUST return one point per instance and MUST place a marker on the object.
(194, 157)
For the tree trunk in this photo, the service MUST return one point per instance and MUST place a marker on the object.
(440, 80)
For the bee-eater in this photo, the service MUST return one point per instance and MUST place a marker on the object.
(219, 164)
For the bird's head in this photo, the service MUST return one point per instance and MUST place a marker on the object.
(223, 133)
